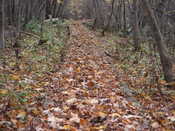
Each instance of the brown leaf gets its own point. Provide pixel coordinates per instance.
(3, 92)
(155, 125)
(83, 122)
(15, 77)
(90, 84)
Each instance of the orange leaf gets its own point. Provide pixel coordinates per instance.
(83, 122)
(15, 77)
(90, 84)
(78, 69)
(162, 82)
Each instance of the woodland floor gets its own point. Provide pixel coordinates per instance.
(86, 95)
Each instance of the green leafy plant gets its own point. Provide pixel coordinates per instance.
(20, 97)
(34, 26)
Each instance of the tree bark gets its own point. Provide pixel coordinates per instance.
(136, 35)
(2, 42)
(168, 63)
(110, 18)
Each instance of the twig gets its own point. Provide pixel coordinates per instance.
(31, 34)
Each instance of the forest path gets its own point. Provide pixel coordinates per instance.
(85, 94)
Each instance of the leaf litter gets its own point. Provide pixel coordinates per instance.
(84, 95)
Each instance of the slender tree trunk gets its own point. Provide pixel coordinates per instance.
(167, 62)
(2, 19)
(136, 34)
(110, 18)
(124, 17)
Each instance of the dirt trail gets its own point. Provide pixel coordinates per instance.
(85, 95)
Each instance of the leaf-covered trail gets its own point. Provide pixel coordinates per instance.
(85, 95)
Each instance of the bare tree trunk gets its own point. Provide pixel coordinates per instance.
(124, 17)
(167, 61)
(136, 34)
(2, 19)
(110, 18)
(99, 19)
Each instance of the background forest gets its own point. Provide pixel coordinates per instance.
(37, 38)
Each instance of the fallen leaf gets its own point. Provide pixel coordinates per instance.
(99, 127)
(171, 118)
(91, 84)
(75, 118)
(54, 121)
(70, 128)
(83, 122)
(71, 101)
(92, 101)
(3, 92)
(15, 77)
(115, 115)
(78, 69)
(36, 111)
(155, 125)
(21, 115)
(101, 114)
(162, 82)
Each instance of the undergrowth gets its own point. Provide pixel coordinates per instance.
(21, 78)
(142, 68)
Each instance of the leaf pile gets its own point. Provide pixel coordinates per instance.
(85, 93)
(22, 80)
(141, 80)
(88, 93)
